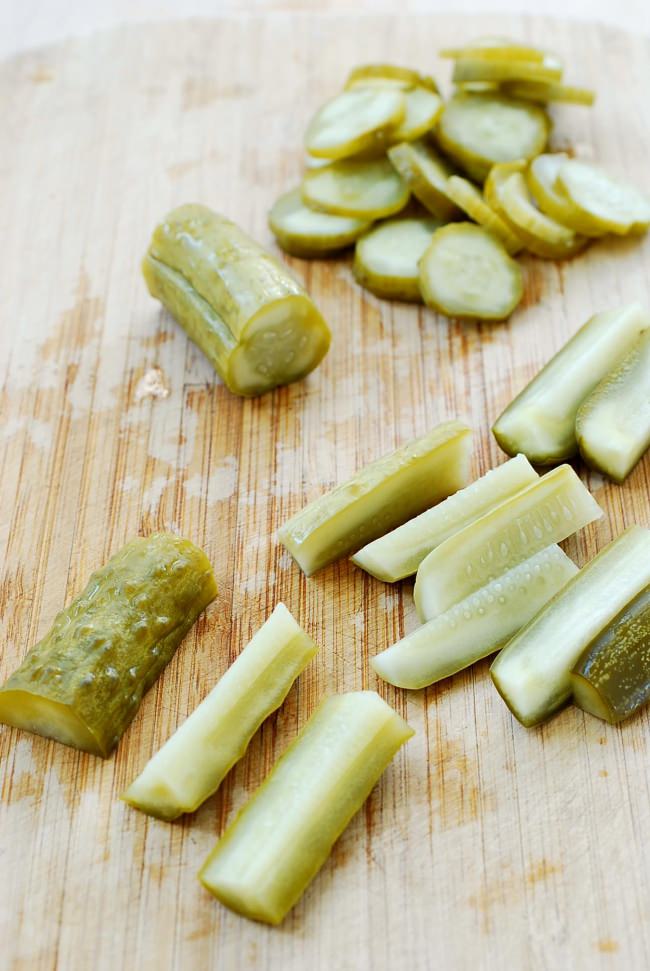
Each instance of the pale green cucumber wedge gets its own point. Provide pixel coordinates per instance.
(533, 672)
(192, 764)
(383, 495)
(303, 232)
(613, 423)
(477, 626)
(611, 678)
(399, 553)
(386, 258)
(256, 325)
(82, 684)
(540, 421)
(284, 834)
(543, 513)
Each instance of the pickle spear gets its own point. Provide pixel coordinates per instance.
(533, 672)
(383, 495)
(302, 231)
(284, 834)
(399, 553)
(613, 423)
(192, 764)
(82, 684)
(386, 258)
(256, 325)
(545, 512)
(611, 678)
(477, 626)
(540, 422)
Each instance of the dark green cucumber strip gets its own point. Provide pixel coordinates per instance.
(82, 684)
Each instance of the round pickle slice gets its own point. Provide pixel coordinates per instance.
(491, 69)
(386, 259)
(499, 48)
(479, 130)
(302, 231)
(426, 174)
(541, 177)
(469, 198)
(388, 75)
(466, 272)
(542, 235)
(354, 121)
(422, 110)
(545, 91)
(367, 189)
(613, 206)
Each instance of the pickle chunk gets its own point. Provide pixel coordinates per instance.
(83, 683)
(256, 325)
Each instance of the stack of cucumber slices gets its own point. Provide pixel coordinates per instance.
(437, 197)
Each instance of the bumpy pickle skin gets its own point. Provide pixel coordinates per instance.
(82, 684)
(284, 834)
(256, 325)
(611, 679)
(381, 496)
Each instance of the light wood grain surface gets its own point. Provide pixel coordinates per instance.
(484, 845)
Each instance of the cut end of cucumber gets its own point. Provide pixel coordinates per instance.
(237, 896)
(159, 801)
(27, 711)
(588, 699)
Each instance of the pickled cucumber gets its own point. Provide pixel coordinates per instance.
(256, 325)
(541, 176)
(611, 678)
(354, 121)
(192, 764)
(422, 109)
(540, 422)
(465, 194)
(302, 231)
(387, 75)
(543, 513)
(477, 626)
(82, 684)
(399, 553)
(283, 835)
(386, 259)
(545, 91)
(466, 272)
(611, 205)
(499, 48)
(613, 423)
(383, 495)
(541, 234)
(533, 672)
(426, 173)
(480, 68)
(365, 189)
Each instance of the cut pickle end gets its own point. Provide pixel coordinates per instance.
(499, 48)
(543, 513)
(354, 121)
(543, 92)
(367, 189)
(192, 764)
(386, 259)
(381, 496)
(479, 68)
(533, 672)
(540, 421)
(302, 231)
(542, 235)
(426, 174)
(477, 626)
(422, 110)
(480, 130)
(388, 75)
(399, 553)
(611, 678)
(613, 206)
(613, 423)
(541, 177)
(465, 194)
(283, 835)
(466, 272)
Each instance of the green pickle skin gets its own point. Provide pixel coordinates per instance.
(253, 321)
(82, 684)
(613, 673)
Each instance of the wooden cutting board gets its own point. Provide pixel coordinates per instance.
(484, 845)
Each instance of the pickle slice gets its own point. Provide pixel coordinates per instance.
(466, 272)
(388, 75)
(479, 130)
(499, 48)
(366, 189)
(82, 684)
(192, 764)
(612, 206)
(283, 835)
(533, 672)
(541, 176)
(386, 259)
(423, 107)
(545, 91)
(256, 325)
(543, 513)
(492, 69)
(477, 626)
(399, 553)
(611, 678)
(302, 231)
(465, 194)
(383, 495)
(426, 174)
(354, 121)
(541, 234)
(613, 423)
(540, 421)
